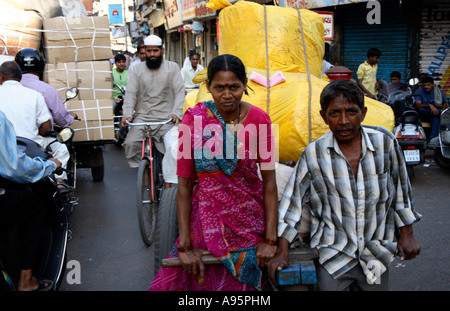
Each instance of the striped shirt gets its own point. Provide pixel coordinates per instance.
(353, 220)
(14, 164)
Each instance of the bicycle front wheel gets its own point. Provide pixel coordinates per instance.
(146, 207)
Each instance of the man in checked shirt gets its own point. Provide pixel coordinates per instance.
(359, 194)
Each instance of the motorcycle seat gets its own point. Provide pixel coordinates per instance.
(411, 117)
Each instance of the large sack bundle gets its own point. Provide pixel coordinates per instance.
(242, 32)
(288, 110)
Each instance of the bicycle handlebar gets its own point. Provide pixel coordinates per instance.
(149, 123)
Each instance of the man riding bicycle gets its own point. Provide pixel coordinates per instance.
(155, 93)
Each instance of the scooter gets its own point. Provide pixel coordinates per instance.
(120, 133)
(52, 255)
(408, 129)
(67, 134)
(441, 143)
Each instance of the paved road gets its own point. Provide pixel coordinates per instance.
(105, 234)
(107, 244)
(429, 271)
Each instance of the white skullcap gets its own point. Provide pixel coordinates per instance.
(153, 40)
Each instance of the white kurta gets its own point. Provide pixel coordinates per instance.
(152, 95)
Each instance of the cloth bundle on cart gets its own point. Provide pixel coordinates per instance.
(293, 102)
(245, 29)
(288, 110)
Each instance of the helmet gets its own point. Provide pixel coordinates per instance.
(30, 60)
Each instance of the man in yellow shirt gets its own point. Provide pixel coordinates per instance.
(367, 73)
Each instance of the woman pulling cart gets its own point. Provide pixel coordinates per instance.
(223, 207)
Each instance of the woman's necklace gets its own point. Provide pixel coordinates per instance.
(237, 118)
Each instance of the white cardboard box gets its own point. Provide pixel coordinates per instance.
(96, 119)
(77, 39)
(93, 79)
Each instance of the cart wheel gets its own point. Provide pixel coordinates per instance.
(146, 209)
(440, 160)
(98, 172)
(166, 225)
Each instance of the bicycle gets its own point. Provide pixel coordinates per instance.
(150, 183)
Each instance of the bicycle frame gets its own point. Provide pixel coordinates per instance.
(148, 187)
(147, 148)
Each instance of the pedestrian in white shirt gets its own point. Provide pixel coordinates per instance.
(189, 72)
(140, 57)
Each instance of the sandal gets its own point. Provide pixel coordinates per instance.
(64, 188)
(44, 286)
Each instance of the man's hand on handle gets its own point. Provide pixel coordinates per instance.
(123, 123)
(175, 119)
(280, 261)
(56, 161)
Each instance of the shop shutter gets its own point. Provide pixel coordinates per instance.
(391, 36)
(434, 57)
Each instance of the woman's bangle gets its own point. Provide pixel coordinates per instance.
(184, 249)
(270, 242)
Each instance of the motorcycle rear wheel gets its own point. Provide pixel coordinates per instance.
(410, 170)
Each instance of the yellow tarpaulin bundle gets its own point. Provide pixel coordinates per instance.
(242, 32)
(288, 110)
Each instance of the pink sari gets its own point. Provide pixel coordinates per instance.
(227, 215)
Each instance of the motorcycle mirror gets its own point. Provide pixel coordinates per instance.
(71, 93)
(413, 81)
(65, 135)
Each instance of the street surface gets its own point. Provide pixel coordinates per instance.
(111, 256)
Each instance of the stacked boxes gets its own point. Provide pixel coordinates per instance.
(93, 78)
(78, 50)
(77, 39)
(18, 29)
(96, 116)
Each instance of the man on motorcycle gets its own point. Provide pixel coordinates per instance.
(430, 101)
(32, 64)
(28, 112)
(19, 205)
(155, 92)
(120, 77)
(397, 84)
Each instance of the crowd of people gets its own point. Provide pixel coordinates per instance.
(352, 180)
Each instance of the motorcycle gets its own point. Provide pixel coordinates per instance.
(52, 257)
(68, 134)
(441, 143)
(408, 129)
(120, 133)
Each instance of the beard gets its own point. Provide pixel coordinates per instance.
(153, 64)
